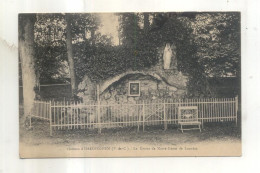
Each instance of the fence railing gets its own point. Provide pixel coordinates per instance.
(41, 109)
(76, 115)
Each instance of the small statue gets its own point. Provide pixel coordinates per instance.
(169, 57)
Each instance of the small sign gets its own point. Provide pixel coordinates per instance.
(134, 89)
(188, 113)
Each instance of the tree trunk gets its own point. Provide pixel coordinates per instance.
(26, 52)
(93, 37)
(37, 85)
(70, 54)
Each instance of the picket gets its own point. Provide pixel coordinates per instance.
(77, 115)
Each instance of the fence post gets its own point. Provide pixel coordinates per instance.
(165, 117)
(50, 118)
(139, 118)
(202, 113)
(98, 109)
(143, 116)
(236, 108)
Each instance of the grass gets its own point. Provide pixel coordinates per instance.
(216, 139)
(154, 135)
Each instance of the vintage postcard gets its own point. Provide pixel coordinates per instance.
(129, 84)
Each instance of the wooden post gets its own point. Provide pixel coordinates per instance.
(44, 110)
(58, 109)
(41, 109)
(54, 114)
(236, 108)
(165, 116)
(143, 116)
(98, 109)
(139, 119)
(77, 111)
(50, 117)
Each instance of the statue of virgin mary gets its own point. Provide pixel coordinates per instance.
(167, 56)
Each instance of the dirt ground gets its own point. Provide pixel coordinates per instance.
(38, 138)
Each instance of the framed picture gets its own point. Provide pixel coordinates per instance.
(134, 89)
(188, 113)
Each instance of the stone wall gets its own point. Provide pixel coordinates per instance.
(87, 90)
(150, 88)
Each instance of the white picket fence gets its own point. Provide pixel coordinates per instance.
(76, 115)
(41, 109)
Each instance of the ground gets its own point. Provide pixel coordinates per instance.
(212, 134)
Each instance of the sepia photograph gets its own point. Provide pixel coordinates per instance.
(137, 84)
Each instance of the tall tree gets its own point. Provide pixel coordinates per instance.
(217, 36)
(26, 52)
(51, 46)
(70, 53)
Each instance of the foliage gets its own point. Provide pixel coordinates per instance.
(164, 29)
(144, 44)
(50, 29)
(217, 36)
(207, 45)
(99, 61)
(50, 38)
(50, 62)
(82, 24)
